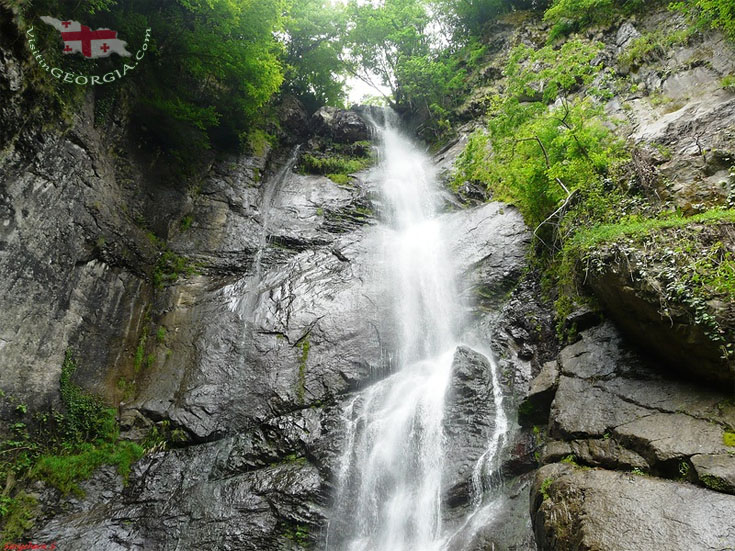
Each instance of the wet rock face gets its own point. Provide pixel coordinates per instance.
(469, 420)
(254, 491)
(72, 263)
(340, 125)
(613, 410)
(633, 288)
(284, 319)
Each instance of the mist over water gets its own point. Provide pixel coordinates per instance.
(389, 480)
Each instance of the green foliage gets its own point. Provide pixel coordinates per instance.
(689, 268)
(17, 515)
(258, 142)
(60, 449)
(298, 533)
(470, 17)
(573, 15)
(728, 438)
(715, 14)
(86, 418)
(546, 73)
(638, 226)
(728, 83)
(186, 222)
(139, 358)
(570, 459)
(64, 471)
(161, 436)
(534, 156)
(170, 267)
(314, 65)
(341, 179)
(383, 36)
(335, 166)
(209, 69)
(545, 485)
(225, 68)
(653, 44)
(432, 85)
(716, 483)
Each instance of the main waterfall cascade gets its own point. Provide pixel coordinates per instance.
(389, 479)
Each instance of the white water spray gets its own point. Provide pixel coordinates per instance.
(389, 480)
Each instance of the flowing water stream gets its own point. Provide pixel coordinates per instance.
(389, 481)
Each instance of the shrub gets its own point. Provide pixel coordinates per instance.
(574, 15)
(535, 156)
(86, 418)
(61, 449)
(64, 471)
(715, 14)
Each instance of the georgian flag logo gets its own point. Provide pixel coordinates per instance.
(91, 44)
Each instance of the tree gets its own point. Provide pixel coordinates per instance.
(383, 37)
(314, 32)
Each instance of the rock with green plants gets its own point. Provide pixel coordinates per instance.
(195, 291)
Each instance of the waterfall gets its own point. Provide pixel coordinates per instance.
(243, 296)
(389, 479)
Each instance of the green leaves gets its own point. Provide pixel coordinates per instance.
(546, 73)
(382, 37)
(716, 14)
(533, 155)
(574, 15)
(315, 31)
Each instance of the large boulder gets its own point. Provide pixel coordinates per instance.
(649, 288)
(578, 509)
(340, 125)
(469, 421)
(614, 410)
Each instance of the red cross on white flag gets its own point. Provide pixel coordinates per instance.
(91, 44)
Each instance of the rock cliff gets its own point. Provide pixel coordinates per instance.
(238, 316)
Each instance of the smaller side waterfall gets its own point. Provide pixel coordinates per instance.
(269, 193)
(390, 476)
(245, 294)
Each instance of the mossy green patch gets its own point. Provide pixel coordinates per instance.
(715, 483)
(170, 267)
(64, 471)
(728, 438)
(17, 516)
(299, 534)
(332, 164)
(545, 485)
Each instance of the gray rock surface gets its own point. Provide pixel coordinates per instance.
(615, 410)
(717, 472)
(598, 509)
(534, 409)
(468, 422)
(284, 317)
(342, 126)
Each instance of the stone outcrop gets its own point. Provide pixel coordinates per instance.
(573, 509)
(340, 125)
(665, 438)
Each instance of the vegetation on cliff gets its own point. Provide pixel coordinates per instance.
(60, 448)
(549, 147)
